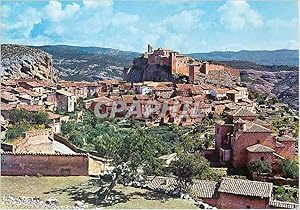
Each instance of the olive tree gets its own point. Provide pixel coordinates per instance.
(186, 167)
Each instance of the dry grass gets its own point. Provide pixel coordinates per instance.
(70, 189)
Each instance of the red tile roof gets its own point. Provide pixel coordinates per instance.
(22, 90)
(242, 112)
(257, 148)
(8, 96)
(34, 84)
(7, 107)
(246, 187)
(31, 108)
(142, 97)
(52, 116)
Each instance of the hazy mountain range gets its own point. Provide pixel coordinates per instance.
(264, 57)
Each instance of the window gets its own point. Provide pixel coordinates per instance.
(218, 130)
(257, 142)
(262, 158)
(248, 207)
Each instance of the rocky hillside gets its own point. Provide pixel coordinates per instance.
(20, 61)
(141, 71)
(281, 81)
(264, 57)
(89, 63)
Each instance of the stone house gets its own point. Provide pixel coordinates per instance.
(184, 90)
(9, 83)
(65, 101)
(27, 96)
(144, 90)
(8, 98)
(218, 93)
(163, 91)
(244, 194)
(228, 194)
(34, 86)
(240, 140)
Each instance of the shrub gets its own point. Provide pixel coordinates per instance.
(187, 167)
(16, 131)
(290, 169)
(260, 167)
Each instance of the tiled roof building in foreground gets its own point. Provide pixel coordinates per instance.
(229, 193)
(241, 140)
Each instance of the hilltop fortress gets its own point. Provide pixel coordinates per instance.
(163, 64)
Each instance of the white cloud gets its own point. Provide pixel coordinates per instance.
(94, 4)
(25, 22)
(55, 11)
(280, 24)
(236, 14)
(121, 18)
(173, 31)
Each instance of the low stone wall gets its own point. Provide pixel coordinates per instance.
(20, 164)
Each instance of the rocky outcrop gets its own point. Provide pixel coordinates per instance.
(22, 62)
(142, 71)
(283, 84)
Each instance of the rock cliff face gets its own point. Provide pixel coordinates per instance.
(142, 71)
(22, 62)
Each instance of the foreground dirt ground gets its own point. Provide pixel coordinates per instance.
(68, 190)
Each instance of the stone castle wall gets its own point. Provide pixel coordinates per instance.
(215, 67)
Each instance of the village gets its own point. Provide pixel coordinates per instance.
(241, 133)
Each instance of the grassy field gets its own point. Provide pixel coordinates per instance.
(70, 189)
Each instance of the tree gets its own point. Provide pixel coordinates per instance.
(208, 141)
(105, 145)
(68, 127)
(40, 118)
(290, 168)
(134, 150)
(16, 130)
(77, 138)
(259, 167)
(18, 115)
(21, 115)
(186, 167)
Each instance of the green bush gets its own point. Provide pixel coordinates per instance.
(18, 116)
(16, 131)
(259, 166)
(290, 169)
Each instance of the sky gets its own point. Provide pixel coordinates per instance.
(184, 25)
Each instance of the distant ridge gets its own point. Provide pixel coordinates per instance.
(264, 57)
